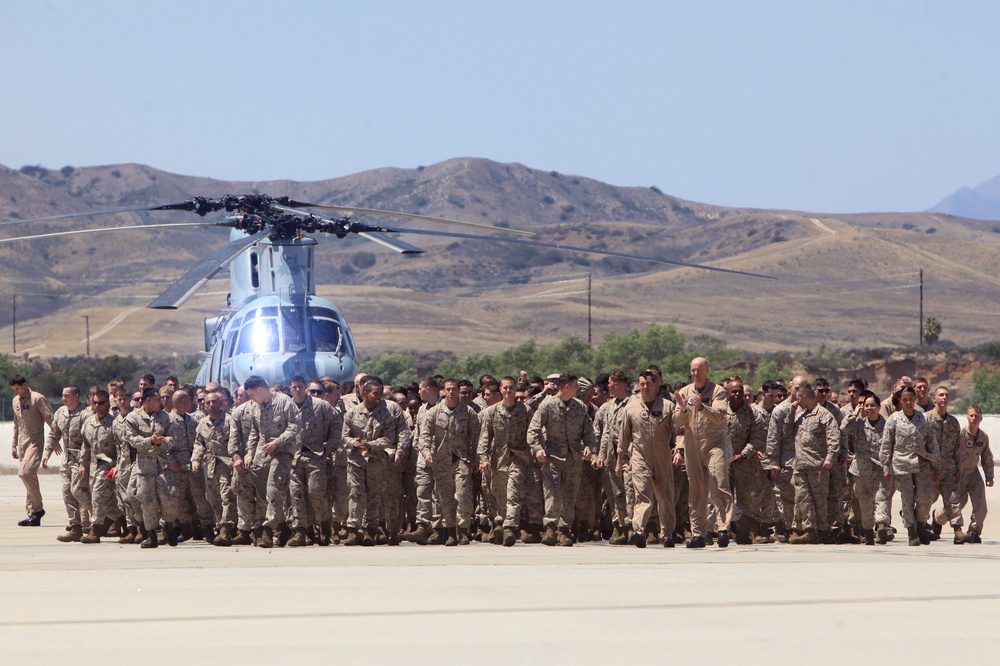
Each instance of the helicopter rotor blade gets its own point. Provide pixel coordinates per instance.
(560, 246)
(392, 243)
(182, 289)
(102, 229)
(410, 216)
(183, 205)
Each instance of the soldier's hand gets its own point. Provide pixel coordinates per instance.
(174, 467)
(735, 459)
(429, 459)
(156, 438)
(827, 464)
(586, 453)
(13, 451)
(678, 459)
(618, 470)
(484, 468)
(886, 475)
(83, 472)
(45, 462)
(597, 463)
(238, 463)
(248, 460)
(540, 457)
(989, 483)
(775, 470)
(195, 467)
(269, 447)
(57, 450)
(114, 472)
(397, 460)
(680, 400)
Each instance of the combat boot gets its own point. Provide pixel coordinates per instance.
(208, 532)
(826, 537)
(780, 533)
(869, 535)
(94, 535)
(498, 535)
(171, 533)
(617, 537)
(638, 539)
(450, 539)
(564, 538)
(923, 534)
(911, 533)
(723, 538)
(534, 534)
(299, 538)
(257, 534)
(354, 538)
(935, 528)
(807, 537)
(225, 537)
(196, 531)
(130, 536)
(140, 533)
(74, 533)
(437, 537)
(381, 536)
(550, 536)
(118, 528)
(150, 541)
(463, 537)
(266, 538)
(242, 538)
(959, 536)
(368, 536)
(584, 533)
(652, 535)
(284, 534)
(972, 536)
(393, 539)
(742, 530)
(695, 542)
(185, 532)
(509, 537)
(883, 533)
(325, 533)
(420, 534)
(761, 534)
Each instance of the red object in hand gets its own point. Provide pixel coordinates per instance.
(111, 473)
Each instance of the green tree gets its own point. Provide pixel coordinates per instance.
(932, 330)
(985, 391)
(393, 369)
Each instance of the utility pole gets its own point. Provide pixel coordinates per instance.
(13, 327)
(921, 322)
(589, 318)
(86, 318)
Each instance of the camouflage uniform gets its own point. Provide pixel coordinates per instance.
(321, 429)
(156, 485)
(863, 440)
(780, 452)
(974, 450)
(707, 451)
(392, 493)
(66, 431)
(607, 427)
(817, 440)
(449, 436)
(276, 422)
(126, 480)
(947, 429)
(646, 436)
(839, 492)
(100, 454)
(748, 436)
(211, 453)
(562, 429)
(910, 451)
(31, 414)
(384, 429)
(337, 491)
(190, 484)
(242, 443)
(503, 440)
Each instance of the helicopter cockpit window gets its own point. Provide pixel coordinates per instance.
(326, 336)
(293, 329)
(259, 334)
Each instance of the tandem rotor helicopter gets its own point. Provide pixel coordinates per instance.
(275, 325)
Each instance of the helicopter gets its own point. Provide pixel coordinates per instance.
(275, 326)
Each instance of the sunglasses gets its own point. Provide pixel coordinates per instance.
(315, 391)
(100, 402)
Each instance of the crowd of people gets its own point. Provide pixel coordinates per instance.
(554, 461)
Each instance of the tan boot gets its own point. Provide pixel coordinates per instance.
(94, 535)
(299, 538)
(564, 538)
(75, 533)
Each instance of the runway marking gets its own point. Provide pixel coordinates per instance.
(424, 613)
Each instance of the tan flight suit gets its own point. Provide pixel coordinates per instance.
(863, 440)
(211, 453)
(562, 429)
(974, 450)
(503, 440)
(646, 435)
(817, 440)
(707, 450)
(277, 422)
(947, 428)
(31, 415)
(910, 451)
(66, 430)
(99, 455)
(448, 436)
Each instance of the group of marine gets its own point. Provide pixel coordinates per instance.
(555, 461)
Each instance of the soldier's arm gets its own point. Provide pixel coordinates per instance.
(933, 448)
(832, 439)
(287, 441)
(473, 438)
(535, 439)
(716, 412)
(986, 458)
(86, 446)
(350, 441)
(888, 444)
(624, 435)
(589, 440)
(16, 434)
(198, 450)
(55, 436)
(484, 450)
(236, 447)
(682, 414)
(46, 411)
(403, 440)
(335, 431)
(758, 435)
(772, 446)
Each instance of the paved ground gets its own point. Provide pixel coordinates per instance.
(72, 603)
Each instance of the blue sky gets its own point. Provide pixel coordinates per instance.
(826, 107)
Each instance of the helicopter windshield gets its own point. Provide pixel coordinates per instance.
(259, 334)
(293, 330)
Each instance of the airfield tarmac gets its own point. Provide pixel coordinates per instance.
(593, 603)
